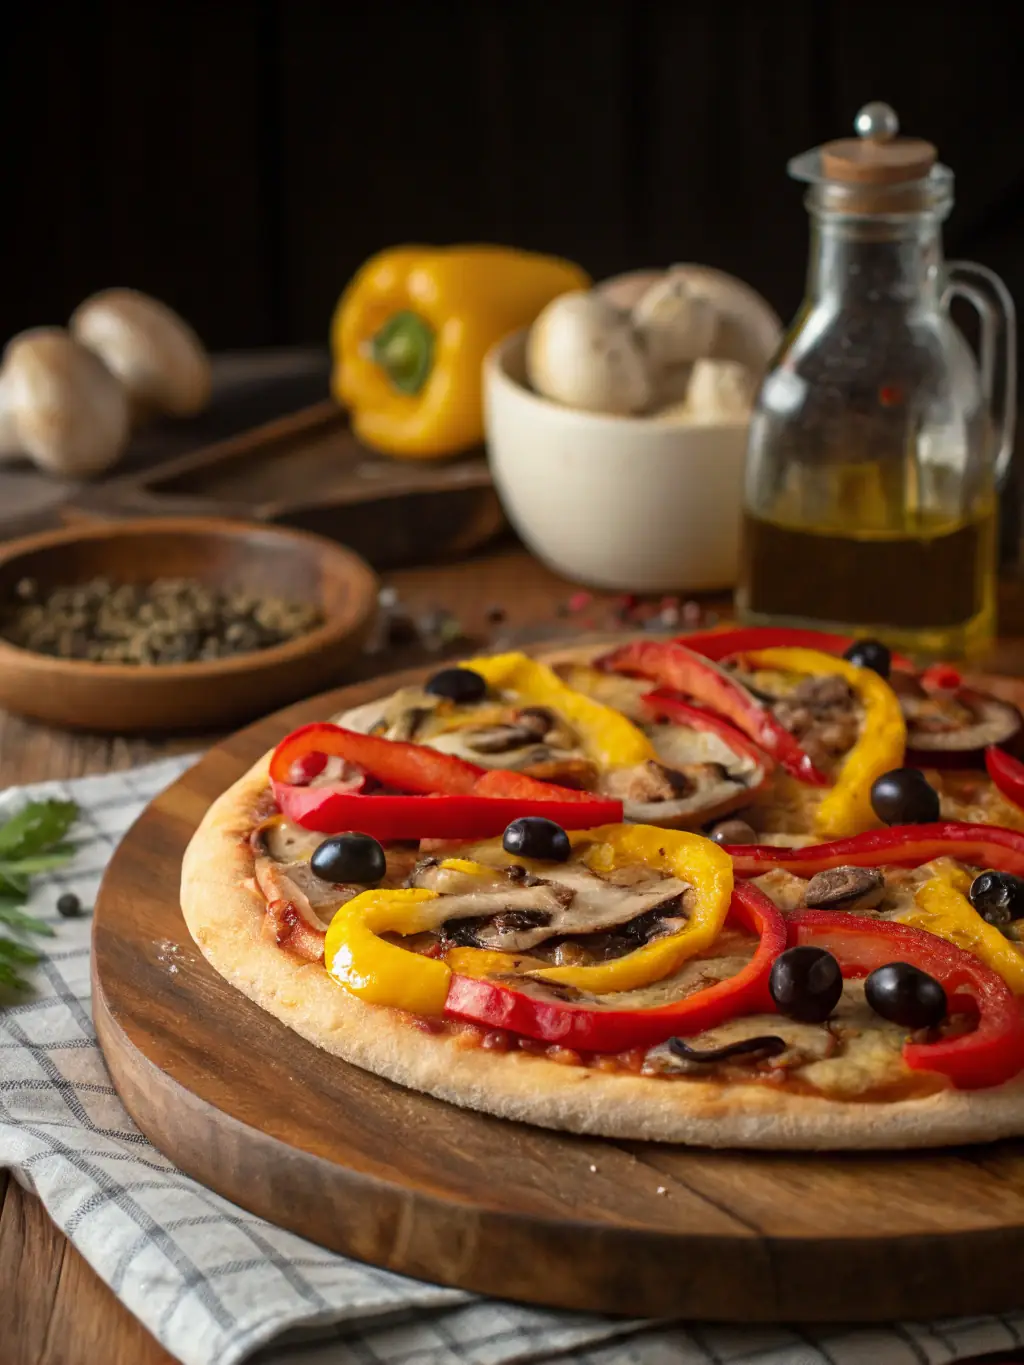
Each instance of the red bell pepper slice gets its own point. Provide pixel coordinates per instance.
(498, 1005)
(506, 783)
(394, 763)
(993, 1052)
(449, 799)
(898, 846)
(727, 641)
(390, 818)
(665, 705)
(673, 666)
(1007, 773)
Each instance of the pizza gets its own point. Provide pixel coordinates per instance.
(747, 888)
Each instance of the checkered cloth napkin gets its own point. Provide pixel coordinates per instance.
(216, 1285)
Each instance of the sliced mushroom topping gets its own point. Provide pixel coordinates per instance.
(388, 715)
(500, 739)
(709, 791)
(649, 782)
(573, 901)
(742, 1042)
(843, 888)
(314, 900)
(409, 723)
(747, 1050)
(506, 918)
(285, 842)
(959, 722)
(823, 714)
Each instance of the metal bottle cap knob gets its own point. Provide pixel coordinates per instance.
(877, 155)
(877, 122)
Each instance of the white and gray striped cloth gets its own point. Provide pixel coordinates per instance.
(216, 1285)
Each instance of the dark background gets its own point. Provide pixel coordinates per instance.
(240, 160)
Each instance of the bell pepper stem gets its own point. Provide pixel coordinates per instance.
(404, 349)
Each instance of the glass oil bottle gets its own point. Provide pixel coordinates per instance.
(879, 441)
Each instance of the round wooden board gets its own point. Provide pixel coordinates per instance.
(448, 1195)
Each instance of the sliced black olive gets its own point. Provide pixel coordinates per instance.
(749, 1048)
(904, 796)
(460, 685)
(806, 984)
(733, 832)
(998, 897)
(905, 995)
(870, 654)
(532, 836)
(355, 858)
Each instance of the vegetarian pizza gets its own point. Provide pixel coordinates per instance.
(748, 888)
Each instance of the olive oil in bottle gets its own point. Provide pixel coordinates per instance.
(928, 591)
(878, 443)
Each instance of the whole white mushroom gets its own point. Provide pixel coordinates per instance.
(60, 405)
(155, 353)
(583, 351)
(720, 390)
(677, 324)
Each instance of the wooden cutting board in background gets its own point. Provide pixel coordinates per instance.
(273, 447)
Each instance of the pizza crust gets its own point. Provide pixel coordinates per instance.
(224, 913)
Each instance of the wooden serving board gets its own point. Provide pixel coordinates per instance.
(307, 470)
(423, 1188)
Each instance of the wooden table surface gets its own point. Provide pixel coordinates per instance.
(53, 1309)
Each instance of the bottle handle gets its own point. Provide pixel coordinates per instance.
(993, 302)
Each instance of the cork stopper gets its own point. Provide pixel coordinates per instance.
(877, 155)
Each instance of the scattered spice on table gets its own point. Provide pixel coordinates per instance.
(168, 621)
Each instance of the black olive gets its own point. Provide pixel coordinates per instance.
(350, 858)
(904, 796)
(69, 905)
(905, 995)
(534, 837)
(806, 984)
(870, 654)
(998, 897)
(460, 685)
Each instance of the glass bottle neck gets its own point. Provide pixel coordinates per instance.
(875, 261)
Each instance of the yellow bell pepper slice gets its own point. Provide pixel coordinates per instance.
(410, 333)
(608, 737)
(941, 908)
(379, 972)
(846, 809)
(690, 857)
(382, 973)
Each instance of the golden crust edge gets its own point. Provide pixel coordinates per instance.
(224, 915)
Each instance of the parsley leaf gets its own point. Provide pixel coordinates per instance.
(35, 829)
(31, 841)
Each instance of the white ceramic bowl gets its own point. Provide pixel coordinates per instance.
(628, 503)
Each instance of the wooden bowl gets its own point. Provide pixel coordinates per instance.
(225, 554)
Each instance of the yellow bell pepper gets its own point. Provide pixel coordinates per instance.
(382, 973)
(608, 737)
(880, 748)
(941, 908)
(410, 333)
(379, 972)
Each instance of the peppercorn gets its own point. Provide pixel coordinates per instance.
(69, 905)
(168, 621)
